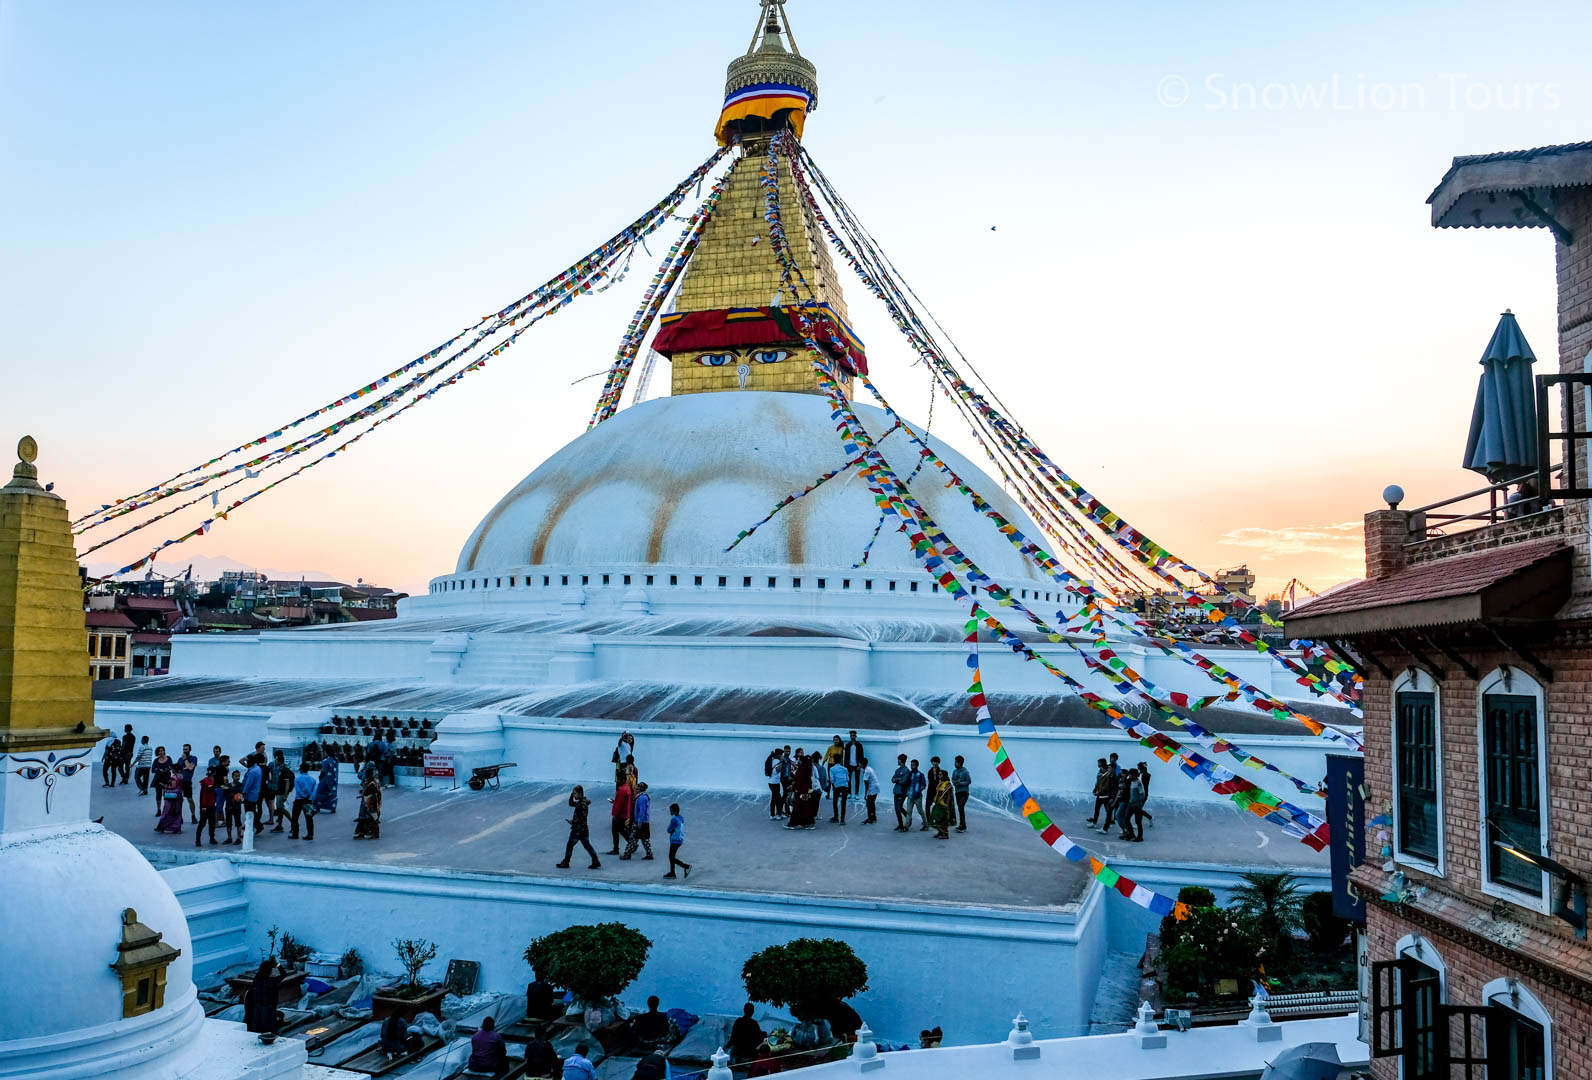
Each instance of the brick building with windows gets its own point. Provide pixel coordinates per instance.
(110, 635)
(1474, 634)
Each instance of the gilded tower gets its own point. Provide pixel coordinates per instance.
(45, 702)
(732, 327)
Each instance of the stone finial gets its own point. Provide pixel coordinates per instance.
(721, 1066)
(25, 474)
(1021, 1040)
(1146, 1030)
(1260, 1021)
(865, 1052)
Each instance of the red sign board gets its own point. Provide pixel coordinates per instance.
(439, 765)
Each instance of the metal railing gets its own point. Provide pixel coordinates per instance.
(1498, 507)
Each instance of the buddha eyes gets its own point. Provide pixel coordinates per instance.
(30, 772)
(71, 768)
(760, 356)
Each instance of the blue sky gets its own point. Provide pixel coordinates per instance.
(1213, 277)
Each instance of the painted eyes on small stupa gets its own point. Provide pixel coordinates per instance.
(30, 772)
(71, 768)
(716, 359)
(770, 356)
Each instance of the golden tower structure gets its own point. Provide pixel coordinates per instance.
(45, 698)
(732, 324)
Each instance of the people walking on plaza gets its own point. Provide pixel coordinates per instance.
(187, 765)
(900, 787)
(870, 791)
(640, 825)
(234, 807)
(940, 812)
(1144, 783)
(839, 791)
(624, 749)
(962, 785)
(804, 796)
(161, 768)
(304, 802)
(854, 759)
(772, 765)
(253, 788)
(676, 840)
(787, 778)
(934, 776)
(280, 782)
(917, 786)
(835, 752)
(113, 749)
(141, 764)
(579, 828)
(215, 761)
(367, 826)
(622, 807)
(125, 760)
(1129, 799)
(389, 763)
(171, 813)
(326, 786)
(1104, 784)
(207, 808)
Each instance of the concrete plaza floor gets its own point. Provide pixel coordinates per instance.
(733, 845)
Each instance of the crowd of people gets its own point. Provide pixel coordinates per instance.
(1122, 793)
(630, 817)
(225, 793)
(799, 782)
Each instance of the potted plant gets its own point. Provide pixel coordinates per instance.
(594, 963)
(350, 963)
(294, 953)
(292, 986)
(811, 977)
(410, 997)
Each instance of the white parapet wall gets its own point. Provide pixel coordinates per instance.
(919, 956)
(1236, 1051)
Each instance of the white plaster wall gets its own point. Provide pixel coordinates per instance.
(919, 957)
(728, 757)
(235, 729)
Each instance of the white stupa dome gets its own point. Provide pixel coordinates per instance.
(669, 483)
(60, 924)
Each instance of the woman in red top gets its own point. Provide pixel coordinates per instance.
(624, 805)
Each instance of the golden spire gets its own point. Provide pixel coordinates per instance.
(45, 699)
(770, 88)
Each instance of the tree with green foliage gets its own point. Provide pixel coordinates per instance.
(593, 962)
(1195, 897)
(1211, 944)
(808, 976)
(1276, 904)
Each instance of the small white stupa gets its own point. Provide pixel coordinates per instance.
(94, 947)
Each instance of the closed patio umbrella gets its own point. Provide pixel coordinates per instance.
(1502, 444)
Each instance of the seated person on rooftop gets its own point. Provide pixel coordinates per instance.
(651, 1027)
(539, 1003)
(489, 1054)
(745, 1035)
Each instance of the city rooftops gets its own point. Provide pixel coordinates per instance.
(1511, 188)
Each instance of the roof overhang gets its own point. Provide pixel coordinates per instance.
(1533, 592)
(1519, 189)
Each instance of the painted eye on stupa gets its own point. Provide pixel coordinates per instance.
(30, 772)
(71, 768)
(722, 359)
(770, 356)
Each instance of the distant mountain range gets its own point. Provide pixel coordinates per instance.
(209, 568)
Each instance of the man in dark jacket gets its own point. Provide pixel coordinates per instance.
(745, 1034)
(1104, 782)
(900, 785)
(853, 758)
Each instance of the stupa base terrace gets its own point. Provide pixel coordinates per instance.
(474, 871)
